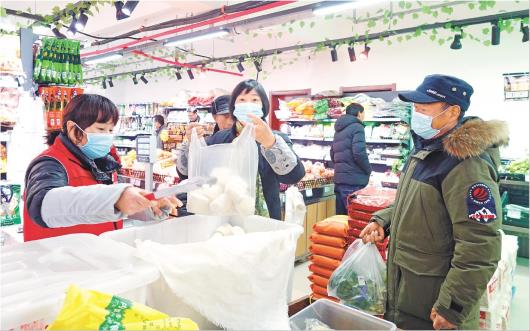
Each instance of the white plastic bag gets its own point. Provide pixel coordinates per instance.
(234, 165)
(360, 280)
(295, 208)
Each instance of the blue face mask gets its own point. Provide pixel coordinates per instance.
(98, 144)
(242, 110)
(421, 124)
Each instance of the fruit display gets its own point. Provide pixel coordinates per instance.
(518, 167)
(201, 101)
(58, 61)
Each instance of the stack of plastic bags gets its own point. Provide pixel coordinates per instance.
(361, 205)
(328, 245)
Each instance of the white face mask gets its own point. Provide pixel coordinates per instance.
(421, 124)
(243, 109)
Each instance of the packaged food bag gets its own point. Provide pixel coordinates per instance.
(234, 166)
(9, 204)
(91, 310)
(360, 280)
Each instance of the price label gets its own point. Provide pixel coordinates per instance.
(137, 183)
(309, 193)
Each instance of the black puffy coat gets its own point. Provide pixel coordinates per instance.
(348, 152)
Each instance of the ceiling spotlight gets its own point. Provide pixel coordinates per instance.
(524, 30)
(351, 53)
(143, 79)
(457, 44)
(365, 53)
(178, 74)
(257, 65)
(128, 8)
(135, 80)
(240, 64)
(72, 29)
(58, 33)
(495, 33)
(111, 84)
(190, 74)
(81, 21)
(104, 84)
(334, 56)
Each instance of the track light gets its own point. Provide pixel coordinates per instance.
(72, 29)
(103, 58)
(524, 30)
(143, 79)
(342, 5)
(104, 84)
(334, 56)
(81, 21)
(178, 74)
(351, 53)
(495, 33)
(457, 44)
(365, 53)
(135, 80)
(128, 8)
(240, 64)
(58, 33)
(190, 74)
(197, 36)
(257, 65)
(119, 13)
(111, 84)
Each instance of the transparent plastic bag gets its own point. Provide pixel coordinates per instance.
(360, 280)
(234, 165)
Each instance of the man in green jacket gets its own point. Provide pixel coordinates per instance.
(444, 240)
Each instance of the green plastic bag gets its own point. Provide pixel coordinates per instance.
(9, 204)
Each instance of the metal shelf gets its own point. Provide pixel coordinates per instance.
(311, 139)
(385, 119)
(383, 162)
(384, 141)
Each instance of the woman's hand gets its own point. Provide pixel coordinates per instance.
(264, 134)
(132, 201)
(170, 203)
(197, 126)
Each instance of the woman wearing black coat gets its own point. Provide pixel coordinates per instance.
(348, 153)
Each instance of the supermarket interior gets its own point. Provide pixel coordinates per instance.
(303, 165)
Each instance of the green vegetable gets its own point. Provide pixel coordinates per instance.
(321, 106)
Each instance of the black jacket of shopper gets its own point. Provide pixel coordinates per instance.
(348, 152)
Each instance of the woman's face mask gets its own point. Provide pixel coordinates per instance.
(248, 103)
(98, 144)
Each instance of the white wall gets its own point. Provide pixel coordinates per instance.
(402, 63)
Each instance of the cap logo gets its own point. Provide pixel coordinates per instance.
(436, 93)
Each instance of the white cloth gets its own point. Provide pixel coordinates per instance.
(236, 282)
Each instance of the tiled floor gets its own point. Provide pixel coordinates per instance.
(519, 311)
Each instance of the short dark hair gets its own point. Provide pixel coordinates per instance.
(354, 109)
(247, 86)
(85, 110)
(159, 119)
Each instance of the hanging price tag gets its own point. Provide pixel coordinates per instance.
(137, 183)
(309, 193)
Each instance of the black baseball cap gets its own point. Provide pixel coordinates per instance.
(221, 105)
(441, 88)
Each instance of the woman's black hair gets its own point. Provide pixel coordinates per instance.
(354, 109)
(85, 110)
(247, 86)
(159, 119)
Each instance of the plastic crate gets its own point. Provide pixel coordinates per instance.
(516, 216)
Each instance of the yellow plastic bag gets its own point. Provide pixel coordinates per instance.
(91, 310)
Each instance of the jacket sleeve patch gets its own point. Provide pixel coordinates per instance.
(480, 204)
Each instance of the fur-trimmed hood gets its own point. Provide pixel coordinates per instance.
(475, 136)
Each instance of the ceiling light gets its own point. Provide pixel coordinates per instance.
(198, 36)
(524, 30)
(72, 29)
(143, 79)
(81, 21)
(365, 53)
(257, 65)
(135, 80)
(58, 33)
(456, 44)
(111, 84)
(338, 6)
(178, 74)
(240, 66)
(351, 53)
(128, 8)
(495, 33)
(334, 57)
(104, 84)
(190, 74)
(104, 58)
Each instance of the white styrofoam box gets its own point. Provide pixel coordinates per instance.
(192, 229)
(35, 275)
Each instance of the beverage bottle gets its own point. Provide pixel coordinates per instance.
(37, 66)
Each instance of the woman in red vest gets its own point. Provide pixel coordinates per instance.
(70, 187)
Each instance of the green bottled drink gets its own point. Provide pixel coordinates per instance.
(71, 65)
(37, 66)
(45, 61)
(79, 68)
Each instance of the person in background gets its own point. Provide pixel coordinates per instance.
(444, 224)
(70, 187)
(193, 117)
(221, 113)
(278, 163)
(159, 126)
(3, 161)
(348, 153)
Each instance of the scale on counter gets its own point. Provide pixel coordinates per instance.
(146, 153)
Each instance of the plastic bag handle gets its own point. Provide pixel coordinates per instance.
(248, 134)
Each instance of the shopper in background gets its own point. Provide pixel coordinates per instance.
(444, 224)
(159, 126)
(278, 163)
(348, 153)
(221, 113)
(69, 187)
(193, 117)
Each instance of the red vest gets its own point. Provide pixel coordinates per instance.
(77, 176)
